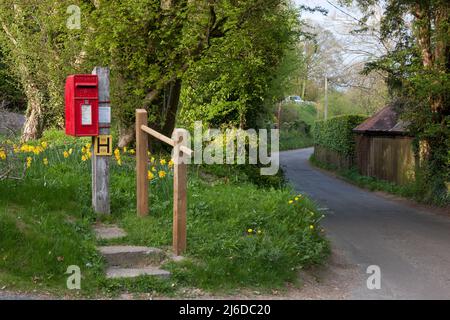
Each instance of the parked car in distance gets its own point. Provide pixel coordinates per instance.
(293, 99)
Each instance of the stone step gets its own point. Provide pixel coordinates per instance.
(108, 232)
(132, 256)
(118, 273)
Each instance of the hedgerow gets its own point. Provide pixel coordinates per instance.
(336, 133)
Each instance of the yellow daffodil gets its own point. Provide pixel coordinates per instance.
(170, 163)
(88, 146)
(83, 158)
(119, 162)
(29, 160)
(65, 154)
(132, 151)
(44, 144)
(148, 153)
(152, 159)
(45, 161)
(2, 155)
(117, 152)
(161, 174)
(162, 162)
(70, 151)
(150, 175)
(124, 149)
(153, 169)
(83, 150)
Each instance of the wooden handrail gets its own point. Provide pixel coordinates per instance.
(179, 176)
(166, 139)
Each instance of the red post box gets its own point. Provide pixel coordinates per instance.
(82, 105)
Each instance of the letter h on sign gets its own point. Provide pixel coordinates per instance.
(103, 145)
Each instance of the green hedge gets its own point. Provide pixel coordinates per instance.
(336, 133)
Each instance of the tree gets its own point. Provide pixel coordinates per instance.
(40, 51)
(150, 48)
(243, 74)
(418, 75)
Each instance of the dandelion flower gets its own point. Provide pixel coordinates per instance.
(161, 174)
(296, 198)
(290, 202)
(311, 227)
(250, 230)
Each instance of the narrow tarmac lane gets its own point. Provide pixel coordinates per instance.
(411, 246)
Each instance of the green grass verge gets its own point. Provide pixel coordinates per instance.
(370, 183)
(240, 234)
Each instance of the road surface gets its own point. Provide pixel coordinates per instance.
(410, 245)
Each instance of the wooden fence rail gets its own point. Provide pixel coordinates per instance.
(179, 176)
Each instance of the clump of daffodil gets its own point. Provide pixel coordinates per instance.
(117, 156)
(161, 174)
(29, 160)
(86, 153)
(2, 154)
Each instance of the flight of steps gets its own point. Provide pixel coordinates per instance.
(126, 261)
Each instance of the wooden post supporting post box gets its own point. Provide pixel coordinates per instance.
(141, 163)
(179, 193)
(100, 164)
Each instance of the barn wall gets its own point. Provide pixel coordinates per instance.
(389, 158)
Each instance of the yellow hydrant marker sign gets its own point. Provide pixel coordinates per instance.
(103, 145)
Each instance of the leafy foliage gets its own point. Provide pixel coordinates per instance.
(336, 133)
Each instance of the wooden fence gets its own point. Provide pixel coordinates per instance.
(389, 158)
(179, 176)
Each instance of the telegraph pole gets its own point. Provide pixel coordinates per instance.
(326, 97)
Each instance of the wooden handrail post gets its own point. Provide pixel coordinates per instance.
(179, 193)
(141, 163)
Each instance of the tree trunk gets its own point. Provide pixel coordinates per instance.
(172, 107)
(33, 125)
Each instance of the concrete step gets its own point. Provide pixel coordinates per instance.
(132, 256)
(108, 232)
(118, 273)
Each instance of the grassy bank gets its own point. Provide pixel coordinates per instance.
(241, 234)
(370, 183)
